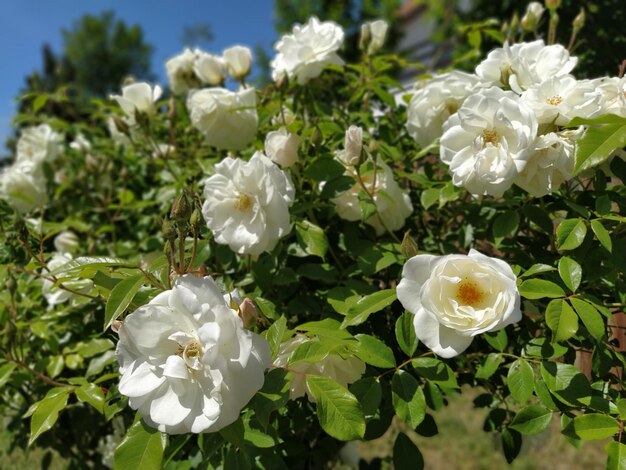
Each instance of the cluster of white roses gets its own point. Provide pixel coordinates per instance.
(503, 125)
(23, 184)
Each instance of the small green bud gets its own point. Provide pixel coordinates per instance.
(366, 37)
(121, 125)
(514, 23)
(181, 209)
(167, 248)
(553, 4)
(11, 285)
(21, 229)
(282, 82)
(373, 146)
(579, 21)
(196, 220)
(317, 138)
(168, 230)
(408, 247)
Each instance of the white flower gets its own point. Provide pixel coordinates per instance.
(186, 362)
(534, 12)
(81, 144)
(281, 147)
(558, 100)
(393, 205)
(487, 142)
(23, 186)
(613, 90)
(457, 297)
(344, 371)
(247, 204)
(38, 144)
(304, 53)
(238, 60)
(209, 68)
(53, 293)
(435, 102)
(551, 162)
(378, 34)
(138, 97)
(228, 119)
(523, 65)
(66, 242)
(284, 118)
(180, 72)
(352, 146)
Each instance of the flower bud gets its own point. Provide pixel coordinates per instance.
(373, 146)
(66, 242)
(282, 82)
(317, 138)
(121, 125)
(11, 284)
(353, 146)
(209, 68)
(248, 312)
(366, 37)
(514, 23)
(408, 246)
(181, 209)
(552, 4)
(579, 21)
(168, 230)
(378, 30)
(282, 147)
(533, 14)
(238, 60)
(196, 220)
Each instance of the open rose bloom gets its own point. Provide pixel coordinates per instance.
(457, 297)
(186, 361)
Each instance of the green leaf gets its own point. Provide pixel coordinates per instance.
(571, 273)
(47, 412)
(141, 449)
(602, 235)
(275, 333)
(598, 143)
(561, 319)
(489, 366)
(497, 340)
(591, 426)
(92, 394)
(406, 455)
(338, 410)
(521, 380)
(369, 393)
(537, 269)
(312, 351)
(367, 305)
(312, 238)
(121, 296)
(5, 372)
(39, 102)
(590, 317)
(373, 351)
(566, 383)
(408, 399)
(506, 224)
(531, 420)
(237, 459)
(616, 456)
(405, 333)
(539, 289)
(436, 371)
(511, 444)
(570, 234)
(89, 262)
(429, 197)
(621, 406)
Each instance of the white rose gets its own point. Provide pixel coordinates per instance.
(433, 103)
(55, 294)
(23, 186)
(304, 53)
(284, 118)
(138, 97)
(238, 60)
(282, 147)
(186, 362)
(66, 242)
(228, 119)
(247, 204)
(180, 72)
(38, 144)
(378, 34)
(457, 297)
(352, 146)
(558, 100)
(487, 142)
(551, 163)
(393, 205)
(523, 65)
(344, 371)
(209, 68)
(534, 12)
(613, 90)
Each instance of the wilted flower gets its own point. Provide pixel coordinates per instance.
(393, 205)
(209, 68)
(55, 294)
(247, 204)
(38, 144)
(342, 370)
(66, 242)
(186, 361)
(487, 142)
(433, 103)
(457, 297)
(281, 147)
(228, 119)
(180, 72)
(238, 60)
(304, 53)
(23, 186)
(138, 97)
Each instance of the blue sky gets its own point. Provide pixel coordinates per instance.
(25, 25)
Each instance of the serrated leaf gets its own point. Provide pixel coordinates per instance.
(561, 319)
(506, 224)
(616, 456)
(537, 269)
(571, 273)
(312, 238)
(539, 289)
(406, 455)
(602, 235)
(141, 449)
(521, 380)
(91, 394)
(408, 399)
(570, 234)
(369, 394)
(405, 333)
(120, 298)
(47, 412)
(566, 382)
(489, 366)
(373, 351)
(591, 426)
(598, 143)
(274, 335)
(590, 317)
(436, 371)
(338, 410)
(367, 305)
(531, 420)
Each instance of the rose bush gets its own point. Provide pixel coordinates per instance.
(175, 298)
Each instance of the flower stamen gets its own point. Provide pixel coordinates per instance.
(468, 293)
(490, 137)
(243, 203)
(554, 100)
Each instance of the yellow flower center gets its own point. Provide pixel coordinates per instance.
(468, 293)
(243, 203)
(555, 100)
(490, 137)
